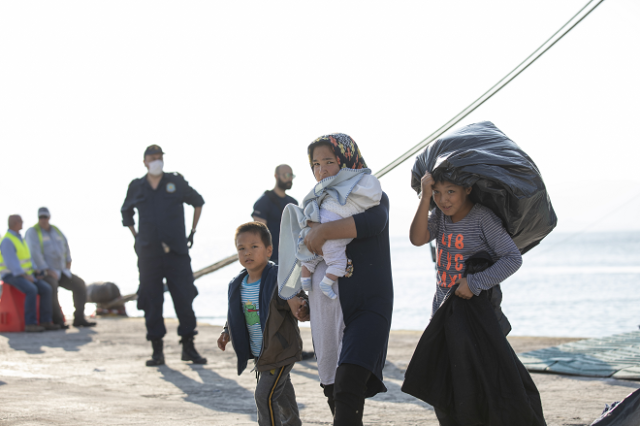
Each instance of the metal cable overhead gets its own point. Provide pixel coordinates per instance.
(557, 36)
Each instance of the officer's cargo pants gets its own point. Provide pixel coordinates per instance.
(176, 268)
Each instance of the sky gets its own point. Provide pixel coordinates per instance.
(229, 90)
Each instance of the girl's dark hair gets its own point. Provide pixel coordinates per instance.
(256, 228)
(438, 176)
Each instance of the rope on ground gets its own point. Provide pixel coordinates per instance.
(557, 36)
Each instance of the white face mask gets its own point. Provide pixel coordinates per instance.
(155, 167)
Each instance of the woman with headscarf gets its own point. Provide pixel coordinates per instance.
(350, 333)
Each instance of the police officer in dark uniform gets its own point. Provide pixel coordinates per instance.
(163, 251)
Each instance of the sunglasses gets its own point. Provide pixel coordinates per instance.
(43, 217)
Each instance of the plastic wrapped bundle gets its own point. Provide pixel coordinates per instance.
(504, 178)
(108, 300)
(625, 413)
(102, 292)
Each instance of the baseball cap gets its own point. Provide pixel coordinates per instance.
(43, 211)
(153, 149)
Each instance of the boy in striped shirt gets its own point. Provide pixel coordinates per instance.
(262, 326)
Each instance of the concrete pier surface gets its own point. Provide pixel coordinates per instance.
(97, 376)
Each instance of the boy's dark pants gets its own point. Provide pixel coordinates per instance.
(276, 398)
(346, 396)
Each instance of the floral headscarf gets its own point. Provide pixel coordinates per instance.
(344, 148)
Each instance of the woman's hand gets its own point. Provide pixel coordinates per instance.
(315, 238)
(299, 308)
(303, 312)
(426, 183)
(223, 340)
(463, 290)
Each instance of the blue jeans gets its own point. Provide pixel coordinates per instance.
(31, 290)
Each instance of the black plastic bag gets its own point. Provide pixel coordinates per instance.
(479, 262)
(102, 292)
(504, 178)
(466, 369)
(625, 413)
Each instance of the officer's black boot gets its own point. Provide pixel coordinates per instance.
(189, 352)
(158, 357)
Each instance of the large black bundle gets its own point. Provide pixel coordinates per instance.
(102, 292)
(625, 413)
(465, 367)
(504, 178)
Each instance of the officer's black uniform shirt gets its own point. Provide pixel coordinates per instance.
(160, 212)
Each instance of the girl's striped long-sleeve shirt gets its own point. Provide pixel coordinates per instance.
(480, 230)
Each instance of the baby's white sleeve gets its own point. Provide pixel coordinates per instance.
(367, 192)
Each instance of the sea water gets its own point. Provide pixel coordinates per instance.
(572, 285)
(585, 285)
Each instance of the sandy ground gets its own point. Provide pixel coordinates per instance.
(98, 377)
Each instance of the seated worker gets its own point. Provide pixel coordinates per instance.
(16, 270)
(273, 341)
(50, 253)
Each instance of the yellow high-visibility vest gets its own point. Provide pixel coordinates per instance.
(39, 231)
(22, 250)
